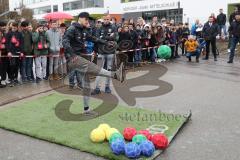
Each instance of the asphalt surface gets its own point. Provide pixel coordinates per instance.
(210, 90)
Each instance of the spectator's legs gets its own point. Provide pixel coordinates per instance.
(234, 42)
(44, 66)
(29, 66)
(214, 49)
(109, 63)
(38, 67)
(50, 67)
(23, 69)
(207, 49)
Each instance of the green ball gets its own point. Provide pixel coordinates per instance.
(139, 138)
(115, 136)
(164, 52)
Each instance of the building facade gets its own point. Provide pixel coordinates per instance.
(4, 7)
(179, 10)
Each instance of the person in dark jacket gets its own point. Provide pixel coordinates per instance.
(14, 47)
(234, 30)
(26, 62)
(185, 34)
(108, 33)
(221, 21)
(232, 19)
(74, 45)
(3, 52)
(210, 31)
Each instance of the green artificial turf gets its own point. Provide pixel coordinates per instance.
(37, 118)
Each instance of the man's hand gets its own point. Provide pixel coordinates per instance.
(9, 54)
(22, 55)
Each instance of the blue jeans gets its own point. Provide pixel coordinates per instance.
(72, 76)
(224, 28)
(234, 42)
(138, 56)
(153, 54)
(190, 54)
(26, 67)
(107, 63)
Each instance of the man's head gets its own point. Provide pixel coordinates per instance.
(197, 21)
(107, 19)
(24, 25)
(220, 10)
(125, 28)
(54, 25)
(3, 25)
(130, 26)
(83, 19)
(236, 9)
(155, 19)
(210, 19)
(14, 26)
(40, 28)
(237, 17)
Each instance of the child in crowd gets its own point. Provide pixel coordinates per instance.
(191, 46)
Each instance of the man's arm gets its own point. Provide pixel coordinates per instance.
(69, 34)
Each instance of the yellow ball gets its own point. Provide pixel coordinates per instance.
(97, 135)
(104, 127)
(110, 131)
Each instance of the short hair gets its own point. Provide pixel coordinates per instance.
(24, 24)
(63, 25)
(15, 24)
(2, 23)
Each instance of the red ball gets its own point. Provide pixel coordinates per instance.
(146, 133)
(129, 133)
(160, 141)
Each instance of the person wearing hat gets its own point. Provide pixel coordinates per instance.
(74, 46)
(234, 30)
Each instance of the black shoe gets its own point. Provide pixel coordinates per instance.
(11, 84)
(197, 60)
(189, 59)
(205, 58)
(38, 80)
(30, 79)
(16, 82)
(90, 113)
(215, 59)
(177, 56)
(96, 91)
(230, 62)
(45, 78)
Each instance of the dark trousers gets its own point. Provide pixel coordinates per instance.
(234, 42)
(213, 46)
(26, 68)
(13, 68)
(3, 68)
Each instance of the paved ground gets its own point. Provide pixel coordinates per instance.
(210, 89)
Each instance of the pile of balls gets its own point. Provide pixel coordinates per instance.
(139, 142)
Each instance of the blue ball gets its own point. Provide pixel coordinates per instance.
(132, 150)
(147, 148)
(118, 146)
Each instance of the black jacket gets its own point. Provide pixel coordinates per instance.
(232, 17)
(74, 40)
(105, 31)
(234, 29)
(14, 48)
(210, 33)
(221, 19)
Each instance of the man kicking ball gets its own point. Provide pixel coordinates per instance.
(74, 46)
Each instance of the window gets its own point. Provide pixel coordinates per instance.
(42, 10)
(125, 1)
(55, 8)
(82, 4)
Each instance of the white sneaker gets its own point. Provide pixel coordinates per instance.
(3, 83)
(229, 50)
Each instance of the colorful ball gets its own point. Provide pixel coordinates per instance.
(110, 131)
(164, 52)
(97, 135)
(139, 138)
(104, 127)
(147, 148)
(160, 141)
(118, 146)
(146, 133)
(132, 150)
(115, 136)
(128, 133)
